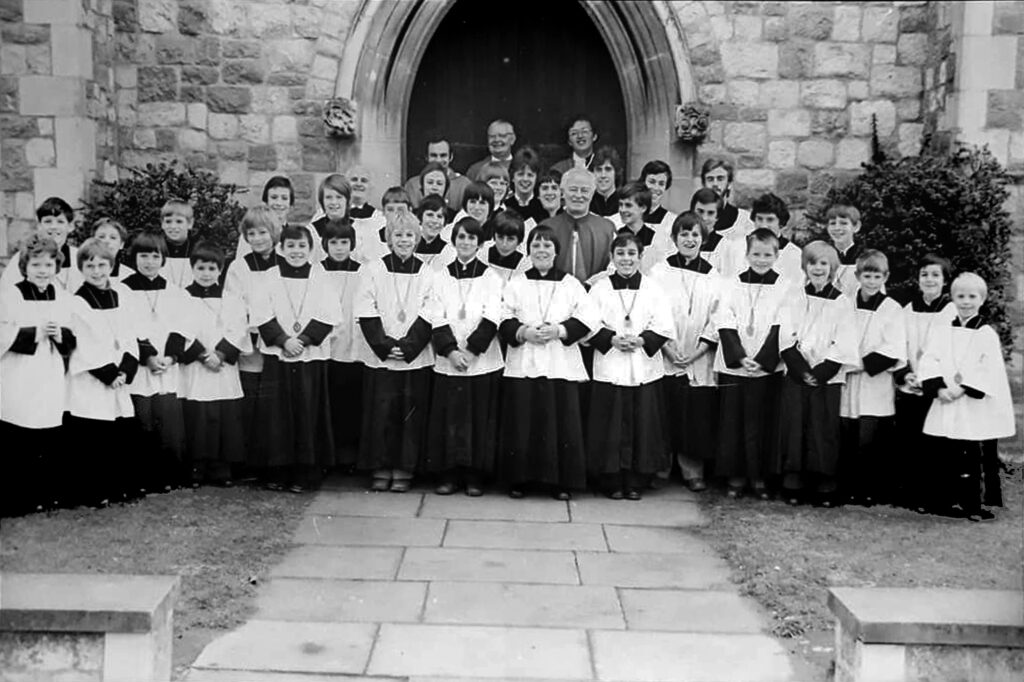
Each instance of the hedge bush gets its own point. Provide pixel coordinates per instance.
(951, 204)
(135, 202)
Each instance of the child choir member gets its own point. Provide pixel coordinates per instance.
(348, 348)
(161, 326)
(295, 312)
(503, 253)
(634, 200)
(210, 384)
(495, 176)
(434, 247)
(99, 405)
(545, 313)
(625, 444)
(817, 344)
(36, 335)
(477, 203)
(691, 287)
(607, 169)
(549, 192)
(962, 366)
(466, 310)
(392, 309)
(113, 235)
(54, 219)
(747, 363)
(657, 176)
(843, 225)
(176, 222)
(867, 399)
(770, 212)
(372, 234)
(725, 250)
(525, 169)
(333, 197)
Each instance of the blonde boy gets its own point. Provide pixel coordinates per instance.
(176, 221)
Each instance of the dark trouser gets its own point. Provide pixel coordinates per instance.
(748, 428)
(914, 458)
(864, 458)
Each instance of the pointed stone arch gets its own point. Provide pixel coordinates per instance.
(387, 40)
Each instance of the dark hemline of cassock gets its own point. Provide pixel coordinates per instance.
(255, 393)
(295, 417)
(864, 462)
(748, 426)
(345, 387)
(163, 437)
(112, 471)
(542, 433)
(214, 431)
(691, 419)
(914, 463)
(395, 406)
(31, 458)
(463, 423)
(624, 429)
(809, 429)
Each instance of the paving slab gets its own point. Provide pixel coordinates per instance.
(524, 535)
(340, 563)
(680, 571)
(687, 657)
(254, 676)
(655, 540)
(481, 652)
(364, 503)
(292, 647)
(689, 611)
(646, 512)
(489, 565)
(557, 606)
(334, 530)
(340, 601)
(494, 507)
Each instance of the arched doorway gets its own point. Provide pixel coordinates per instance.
(534, 65)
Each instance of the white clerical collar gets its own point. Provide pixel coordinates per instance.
(581, 161)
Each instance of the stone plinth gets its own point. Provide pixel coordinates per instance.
(108, 628)
(906, 635)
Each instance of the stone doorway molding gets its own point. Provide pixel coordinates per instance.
(647, 42)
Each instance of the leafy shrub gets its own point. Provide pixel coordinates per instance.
(951, 205)
(135, 202)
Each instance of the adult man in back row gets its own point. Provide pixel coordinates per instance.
(439, 150)
(582, 137)
(585, 238)
(500, 138)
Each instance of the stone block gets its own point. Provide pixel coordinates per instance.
(330, 47)
(556, 606)
(12, 126)
(340, 601)
(226, 17)
(489, 565)
(158, 16)
(780, 94)
(192, 140)
(689, 611)
(789, 122)
(823, 94)
(842, 59)
(341, 563)
(829, 122)
(912, 49)
(12, 11)
(688, 657)
(161, 114)
(653, 540)
(15, 173)
(895, 81)
(242, 49)
(9, 99)
(307, 107)
(815, 153)
(45, 126)
(846, 24)
(1016, 148)
(319, 155)
(915, 18)
(860, 117)
(25, 34)
(796, 59)
(38, 59)
(910, 138)
(979, 53)
(810, 21)
(289, 55)
(74, 58)
(158, 84)
(234, 150)
(50, 95)
(690, 570)
(269, 21)
(144, 138)
(270, 100)
(284, 129)
(480, 652)
(714, 93)
(126, 76)
(199, 75)
(166, 140)
(781, 154)
(908, 109)
(293, 647)
(324, 67)
(750, 60)
(524, 535)
(744, 137)
(380, 532)
(760, 179)
(1007, 18)
(857, 90)
(192, 93)
(661, 512)
(721, 27)
(880, 24)
(746, 27)
(362, 503)
(1005, 109)
(13, 60)
(793, 182)
(192, 18)
(242, 71)
(253, 128)
(227, 99)
(743, 93)
(126, 16)
(883, 54)
(462, 507)
(307, 21)
(207, 52)
(775, 29)
(39, 152)
(175, 50)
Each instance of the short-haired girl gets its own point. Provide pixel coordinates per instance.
(393, 313)
(477, 203)
(333, 197)
(113, 235)
(546, 313)
(504, 252)
(466, 310)
(36, 338)
(625, 434)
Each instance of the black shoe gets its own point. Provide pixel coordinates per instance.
(516, 493)
(446, 488)
(474, 490)
(616, 494)
(634, 494)
(980, 515)
(562, 495)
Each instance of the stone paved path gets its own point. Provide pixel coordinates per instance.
(451, 589)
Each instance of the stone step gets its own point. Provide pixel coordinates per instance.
(494, 507)
(489, 565)
(524, 535)
(557, 606)
(641, 570)
(340, 563)
(365, 503)
(340, 601)
(646, 512)
(381, 532)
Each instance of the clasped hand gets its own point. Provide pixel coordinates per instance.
(948, 395)
(158, 364)
(751, 366)
(459, 360)
(293, 347)
(540, 333)
(626, 343)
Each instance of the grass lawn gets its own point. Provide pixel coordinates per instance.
(220, 541)
(787, 557)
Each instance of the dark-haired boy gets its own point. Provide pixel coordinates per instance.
(843, 225)
(54, 219)
(770, 212)
(657, 176)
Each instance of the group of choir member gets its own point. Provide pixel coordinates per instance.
(540, 353)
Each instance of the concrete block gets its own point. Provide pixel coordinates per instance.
(158, 16)
(340, 601)
(480, 652)
(780, 94)
(657, 540)
(256, 676)
(647, 512)
(688, 570)
(294, 647)
(846, 24)
(781, 154)
(51, 96)
(511, 604)
(489, 565)
(39, 151)
(325, 530)
(789, 122)
(132, 658)
(494, 508)
(881, 662)
(74, 56)
(880, 24)
(690, 611)
(750, 60)
(842, 59)
(524, 535)
(363, 503)
(823, 94)
(689, 657)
